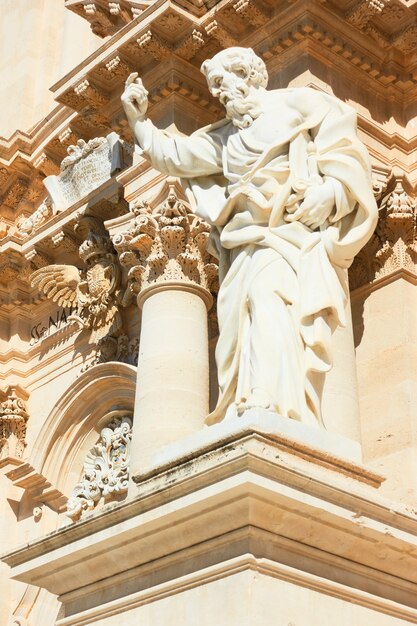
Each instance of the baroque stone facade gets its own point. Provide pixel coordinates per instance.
(108, 327)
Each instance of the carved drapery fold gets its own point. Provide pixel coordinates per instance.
(13, 420)
(106, 469)
(393, 246)
(166, 245)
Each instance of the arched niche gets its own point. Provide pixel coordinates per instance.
(74, 424)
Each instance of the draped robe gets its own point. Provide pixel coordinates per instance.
(283, 286)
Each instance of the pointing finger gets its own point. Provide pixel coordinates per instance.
(131, 78)
(296, 216)
(137, 90)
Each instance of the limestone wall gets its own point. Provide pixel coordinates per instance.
(41, 41)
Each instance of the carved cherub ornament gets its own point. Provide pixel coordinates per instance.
(93, 292)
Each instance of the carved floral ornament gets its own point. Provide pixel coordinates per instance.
(167, 244)
(106, 469)
(13, 420)
(393, 246)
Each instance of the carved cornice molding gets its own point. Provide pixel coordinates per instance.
(53, 236)
(38, 487)
(359, 35)
(167, 40)
(166, 246)
(392, 249)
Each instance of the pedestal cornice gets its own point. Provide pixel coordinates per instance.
(265, 500)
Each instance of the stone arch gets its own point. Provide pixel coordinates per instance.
(74, 424)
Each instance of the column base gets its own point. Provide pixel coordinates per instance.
(288, 433)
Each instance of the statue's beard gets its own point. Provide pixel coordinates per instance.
(241, 110)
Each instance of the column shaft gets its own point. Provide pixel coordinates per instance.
(172, 393)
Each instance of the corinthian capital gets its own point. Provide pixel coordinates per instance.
(167, 246)
(392, 249)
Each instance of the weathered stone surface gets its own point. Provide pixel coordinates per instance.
(226, 520)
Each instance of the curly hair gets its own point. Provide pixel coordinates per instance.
(240, 58)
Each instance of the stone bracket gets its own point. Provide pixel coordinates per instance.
(23, 475)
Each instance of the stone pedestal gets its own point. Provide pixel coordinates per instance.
(241, 530)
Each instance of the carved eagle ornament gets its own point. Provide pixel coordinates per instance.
(93, 293)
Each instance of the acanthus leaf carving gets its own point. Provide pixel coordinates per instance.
(106, 469)
(249, 11)
(393, 246)
(13, 420)
(364, 10)
(167, 243)
(153, 45)
(190, 45)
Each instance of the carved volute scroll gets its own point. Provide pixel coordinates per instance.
(13, 420)
(393, 246)
(87, 166)
(167, 245)
(31, 224)
(106, 469)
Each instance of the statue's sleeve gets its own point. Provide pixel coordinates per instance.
(343, 159)
(198, 155)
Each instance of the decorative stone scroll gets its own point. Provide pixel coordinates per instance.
(106, 469)
(31, 224)
(13, 420)
(393, 246)
(167, 244)
(87, 166)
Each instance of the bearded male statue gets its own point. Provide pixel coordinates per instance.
(286, 185)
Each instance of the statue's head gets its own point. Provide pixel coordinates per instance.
(233, 76)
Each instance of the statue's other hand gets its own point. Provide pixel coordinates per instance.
(318, 203)
(134, 99)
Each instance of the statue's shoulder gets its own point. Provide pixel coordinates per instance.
(302, 96)
(215, 128)
(312, 104)
(307, 98)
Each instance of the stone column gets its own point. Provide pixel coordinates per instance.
(171, 275)
(384, 307)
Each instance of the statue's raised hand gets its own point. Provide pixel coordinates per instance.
(135, 99)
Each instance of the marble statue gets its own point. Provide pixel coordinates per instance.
(286, 185)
